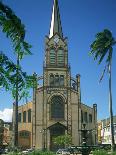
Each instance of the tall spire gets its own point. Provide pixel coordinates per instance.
(55, 26)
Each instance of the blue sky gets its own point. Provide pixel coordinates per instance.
(81, 20)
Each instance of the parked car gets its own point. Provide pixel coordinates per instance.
(63, 151)
(27, 151)
(6, 151)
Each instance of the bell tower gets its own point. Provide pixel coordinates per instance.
(56, 52)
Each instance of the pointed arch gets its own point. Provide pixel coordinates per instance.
(57, 80)
(51, 80)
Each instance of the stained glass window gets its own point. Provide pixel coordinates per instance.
(57, 107)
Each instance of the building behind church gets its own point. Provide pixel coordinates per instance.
(57, 108)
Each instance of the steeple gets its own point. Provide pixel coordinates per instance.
(55, 26)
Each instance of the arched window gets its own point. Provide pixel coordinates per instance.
(24, 116)
(81, 116)
(51, 80)
(85, 117)
(29, 116)
(60, 57)
(61, 80)
(52, 57)
(56, 80)
(57, 108)
(19, 117)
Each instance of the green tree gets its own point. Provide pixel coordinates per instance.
(102, 48)
(11, 76)
(63, 140)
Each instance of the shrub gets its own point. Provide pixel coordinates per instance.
(42, 153)
(100, 152)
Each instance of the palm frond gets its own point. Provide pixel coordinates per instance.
(102, 47)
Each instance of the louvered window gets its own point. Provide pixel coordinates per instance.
(52, 57)
(60, 57)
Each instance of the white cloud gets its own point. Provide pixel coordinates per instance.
(6, 115)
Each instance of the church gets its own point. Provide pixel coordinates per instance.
(56, 108)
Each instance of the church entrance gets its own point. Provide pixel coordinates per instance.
(56, 130)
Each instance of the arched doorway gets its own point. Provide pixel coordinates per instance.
(56, 130)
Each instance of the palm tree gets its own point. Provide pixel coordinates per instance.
(102, 48)
(11, 75)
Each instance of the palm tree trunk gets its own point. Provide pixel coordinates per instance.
(110, 110)
(16, 105)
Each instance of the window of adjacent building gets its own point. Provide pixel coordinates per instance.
(24, 116)
(19, 117)
(60, 57)
(61, 80)
(29, 115)
(85, 117)
(52, 57)
(81, 116)
(56, 80)
(51, 80)
(24, 134)
(57, 108)
(90, 118)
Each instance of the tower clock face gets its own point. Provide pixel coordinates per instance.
(56, 40)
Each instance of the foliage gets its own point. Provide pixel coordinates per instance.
(11, 25)
(100, 152)
(102, 46)
(42, 153)
(64, 140)
(8, 77)
(36, 152)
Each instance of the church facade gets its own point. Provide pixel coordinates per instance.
(57, 108)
